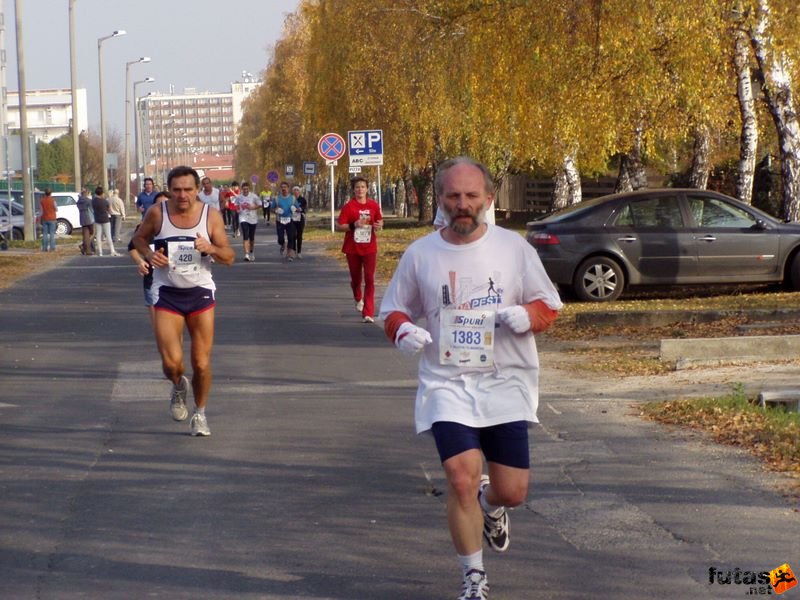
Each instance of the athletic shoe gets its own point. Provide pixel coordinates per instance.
(200, 425)
(246, 257)
(367, 320)
(300, 256)
(475, 586)
(252, 257)
(177, 402)
(291, 259)
(495, 529)
(283, 250)
(360, 305)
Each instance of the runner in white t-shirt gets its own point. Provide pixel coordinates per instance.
(208, 193)
(247, 205)
(483, 292)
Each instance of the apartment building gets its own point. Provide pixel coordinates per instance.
(176, 127)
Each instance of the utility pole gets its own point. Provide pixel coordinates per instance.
(27, 184)
(73, 75)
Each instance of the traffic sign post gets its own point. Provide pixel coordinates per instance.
(331, 147)
(366, 150)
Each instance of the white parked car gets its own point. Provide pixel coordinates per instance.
(67, 215)
(67, 212)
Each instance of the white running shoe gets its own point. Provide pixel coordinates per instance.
(495, 529)
(177, 401)
(200, 425)
(367, 320)
(360, 305)
(475, 586)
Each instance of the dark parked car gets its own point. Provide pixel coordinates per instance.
(663, 237)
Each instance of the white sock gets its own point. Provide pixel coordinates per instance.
(489, 509)
(200, 411)
(471, 561)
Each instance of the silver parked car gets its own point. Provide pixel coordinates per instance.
(599, 247)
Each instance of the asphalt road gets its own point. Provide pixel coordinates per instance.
(313, 484)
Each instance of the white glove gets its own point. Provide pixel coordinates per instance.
(515, 318)
(294, 208)
(411, 339)
(279, 211)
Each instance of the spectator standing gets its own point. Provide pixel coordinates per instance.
(116, 209)
(299, 219)
(360, 219)
(102, 222)
(483, 293)
(147, 196)
(86, 215)
(48, 218)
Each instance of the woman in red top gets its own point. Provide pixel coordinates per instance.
(48, 207)
(360, 219)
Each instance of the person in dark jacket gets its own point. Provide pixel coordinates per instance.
(86, 215)
(102, 221)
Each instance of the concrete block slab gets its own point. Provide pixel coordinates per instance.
(745, 348)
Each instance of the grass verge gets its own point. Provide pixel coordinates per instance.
(771, 434)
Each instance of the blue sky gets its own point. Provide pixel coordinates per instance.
(205, 44)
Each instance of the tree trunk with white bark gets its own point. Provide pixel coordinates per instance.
(701, 164)
(748, 139)
(777, 86)
(632, 174)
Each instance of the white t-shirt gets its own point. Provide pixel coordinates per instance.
(211, 199)
(248, 215)
(497, 271)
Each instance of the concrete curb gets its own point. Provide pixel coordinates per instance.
(673, 317)
(694, 351)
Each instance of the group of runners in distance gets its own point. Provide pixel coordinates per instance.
(480, 290)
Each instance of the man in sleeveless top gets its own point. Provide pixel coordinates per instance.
(186, 236)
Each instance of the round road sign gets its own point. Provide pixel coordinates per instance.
(331, 146)
(273, 177)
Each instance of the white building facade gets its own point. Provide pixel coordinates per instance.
(49, 112)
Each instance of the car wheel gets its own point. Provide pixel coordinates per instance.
(793, 282)
(598, 279)
(17, 234)
(63, 228)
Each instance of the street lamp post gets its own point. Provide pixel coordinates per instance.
(100, 41)
(73, 76)
(137, 159)
(143, 59)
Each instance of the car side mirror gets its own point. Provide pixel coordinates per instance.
(760, 224)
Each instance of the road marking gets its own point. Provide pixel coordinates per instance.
(142, 382)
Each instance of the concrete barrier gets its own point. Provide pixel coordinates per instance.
(686, 352)
(789, 399)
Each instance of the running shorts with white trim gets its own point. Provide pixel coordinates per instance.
(183, 301)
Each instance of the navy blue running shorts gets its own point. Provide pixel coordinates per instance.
(184, 301)
(248, 231)
(504, 444)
